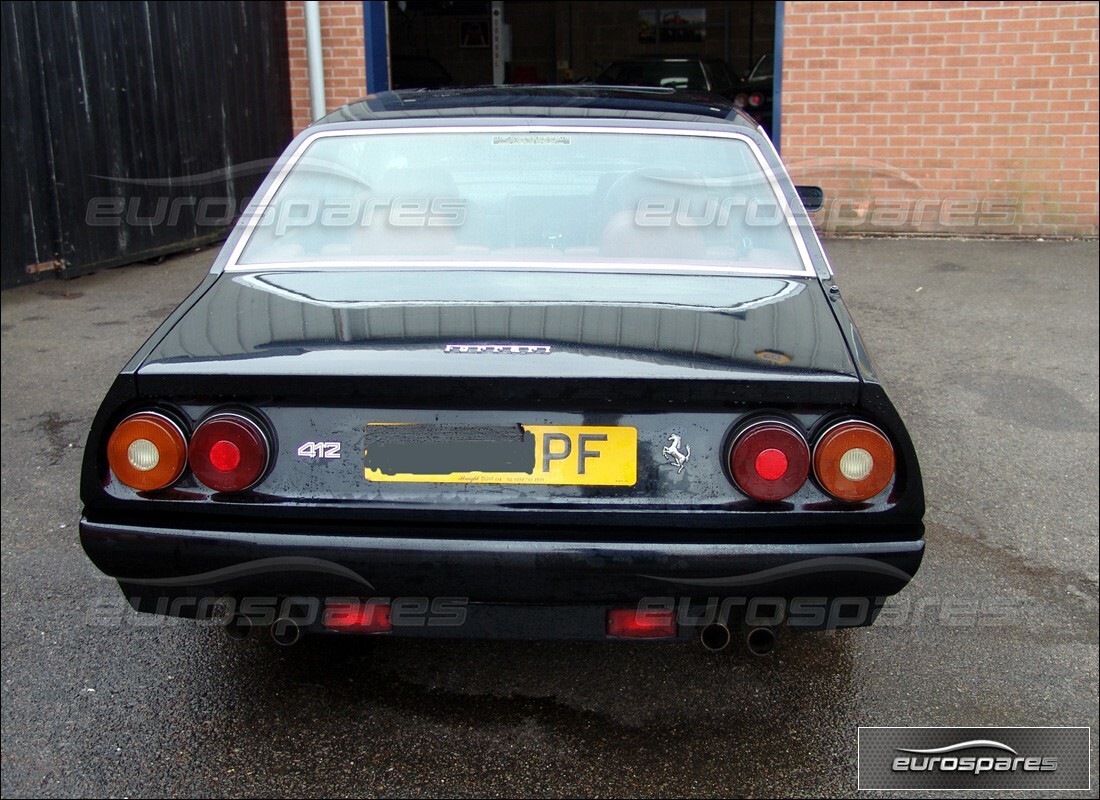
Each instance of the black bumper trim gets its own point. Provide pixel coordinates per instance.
(214, 563)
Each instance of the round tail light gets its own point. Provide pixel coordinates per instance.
(756, 99)
(229, 452)
(853, 461)
(769, 460)
(147, 451)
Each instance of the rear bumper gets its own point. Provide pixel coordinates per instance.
(154, 565)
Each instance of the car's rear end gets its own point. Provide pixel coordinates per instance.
(525, 425)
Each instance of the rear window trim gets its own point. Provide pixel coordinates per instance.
(248, 226)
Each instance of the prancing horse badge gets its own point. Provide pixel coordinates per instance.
(674, 455)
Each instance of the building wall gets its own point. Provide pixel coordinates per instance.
(552, 41)
(972, 117)
(344, 53)
(945, 117)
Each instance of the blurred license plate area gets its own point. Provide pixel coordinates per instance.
(561, 455)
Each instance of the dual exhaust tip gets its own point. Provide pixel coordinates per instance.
(284, 631)
(759, 641)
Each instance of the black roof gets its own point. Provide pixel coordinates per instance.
(574, 100)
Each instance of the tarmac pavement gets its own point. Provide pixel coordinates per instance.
(988, 348)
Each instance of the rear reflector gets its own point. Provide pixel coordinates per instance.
(352, 617)
(225, 456)
(229, 452)
(769, 460)
(853, 461)
(147, 451)
(771, 464)
(633, 623)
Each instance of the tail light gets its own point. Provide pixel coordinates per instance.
(853, 461)
(634, 623)
(147, 451)
(741, 100)
(769, 460)
(229, 452)
(756, 99)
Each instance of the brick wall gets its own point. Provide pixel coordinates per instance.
(344, 54)
(945, 117)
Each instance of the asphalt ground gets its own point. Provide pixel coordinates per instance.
(990, 350)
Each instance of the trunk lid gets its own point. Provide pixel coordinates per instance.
(410, 334)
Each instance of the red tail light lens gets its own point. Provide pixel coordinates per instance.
(634, 623)
(352, 617)
(853, 461)
(756, 99)
(147, 451)
(769, 460)
(229, 452)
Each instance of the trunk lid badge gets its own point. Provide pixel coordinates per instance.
(517, 349)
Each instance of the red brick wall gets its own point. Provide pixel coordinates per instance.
(344, 53)
(945, 117)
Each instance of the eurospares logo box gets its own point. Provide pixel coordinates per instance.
(982, 759)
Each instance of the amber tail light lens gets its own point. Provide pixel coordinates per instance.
(229, 452)
(853, 461)
(769, 460)
(147, 451)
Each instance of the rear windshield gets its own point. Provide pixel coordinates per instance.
(505, 197)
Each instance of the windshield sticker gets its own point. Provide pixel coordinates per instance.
(512, 139)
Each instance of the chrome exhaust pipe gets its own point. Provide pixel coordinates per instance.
(760, 641)
(286, 632)
(715, 637)
(238, 627)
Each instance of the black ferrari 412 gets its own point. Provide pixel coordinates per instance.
(555, 362)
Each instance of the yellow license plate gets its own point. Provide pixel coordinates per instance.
(556, 455)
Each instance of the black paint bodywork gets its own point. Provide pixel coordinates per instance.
(318, 354)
